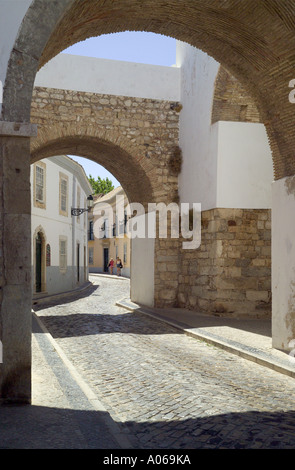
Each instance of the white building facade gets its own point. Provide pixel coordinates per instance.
(59, 240)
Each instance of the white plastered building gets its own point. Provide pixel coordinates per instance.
(59, 239)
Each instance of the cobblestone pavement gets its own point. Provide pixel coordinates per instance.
(169, 390)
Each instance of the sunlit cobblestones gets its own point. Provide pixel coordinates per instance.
(170, 390)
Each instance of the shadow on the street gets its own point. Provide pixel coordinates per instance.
(39, 427)
(61, 299)
(109, 323)
(83, 324)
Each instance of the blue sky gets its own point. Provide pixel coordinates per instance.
(147, 48)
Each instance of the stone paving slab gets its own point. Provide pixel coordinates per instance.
(250, 339)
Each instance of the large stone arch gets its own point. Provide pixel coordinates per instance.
(240, 35)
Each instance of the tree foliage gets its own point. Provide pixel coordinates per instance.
(101, 186)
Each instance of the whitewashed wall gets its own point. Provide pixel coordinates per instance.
(142, 264)
(89, 74)
(227, 164)
(283, 264)
(197, 181)
(244, 166)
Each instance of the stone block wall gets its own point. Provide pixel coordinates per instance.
(167, 266)
(230, 274)
(134, 138)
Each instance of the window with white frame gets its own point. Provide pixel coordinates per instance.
(63, 254)
(63, 194)
(40, 185)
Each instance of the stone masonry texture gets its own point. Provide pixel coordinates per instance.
(134, 138)
(230, 274)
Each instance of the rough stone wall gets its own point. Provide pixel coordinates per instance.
(230, 274)
(167, 270)
(231, 101)
(135, 138)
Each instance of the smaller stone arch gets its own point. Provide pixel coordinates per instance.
(133, 138)
(39, 265)
(117, 161)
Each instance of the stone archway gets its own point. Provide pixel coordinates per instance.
(115, 132)
(253, 40)
(135, 139)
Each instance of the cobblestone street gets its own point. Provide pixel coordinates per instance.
(169, 390)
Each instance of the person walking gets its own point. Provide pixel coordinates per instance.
(119, 266)
(111, 265)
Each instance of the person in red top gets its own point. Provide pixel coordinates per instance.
(111, 265)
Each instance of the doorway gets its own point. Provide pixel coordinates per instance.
(78, 262)
(85, 264)
(105, 260)
(38, 279)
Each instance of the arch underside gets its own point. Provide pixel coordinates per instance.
(231, 102)
(253, 40)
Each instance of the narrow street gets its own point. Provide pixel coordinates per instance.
(168, 390)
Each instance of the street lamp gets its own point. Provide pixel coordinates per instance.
(78, 211)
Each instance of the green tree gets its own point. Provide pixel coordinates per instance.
(100, 186)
